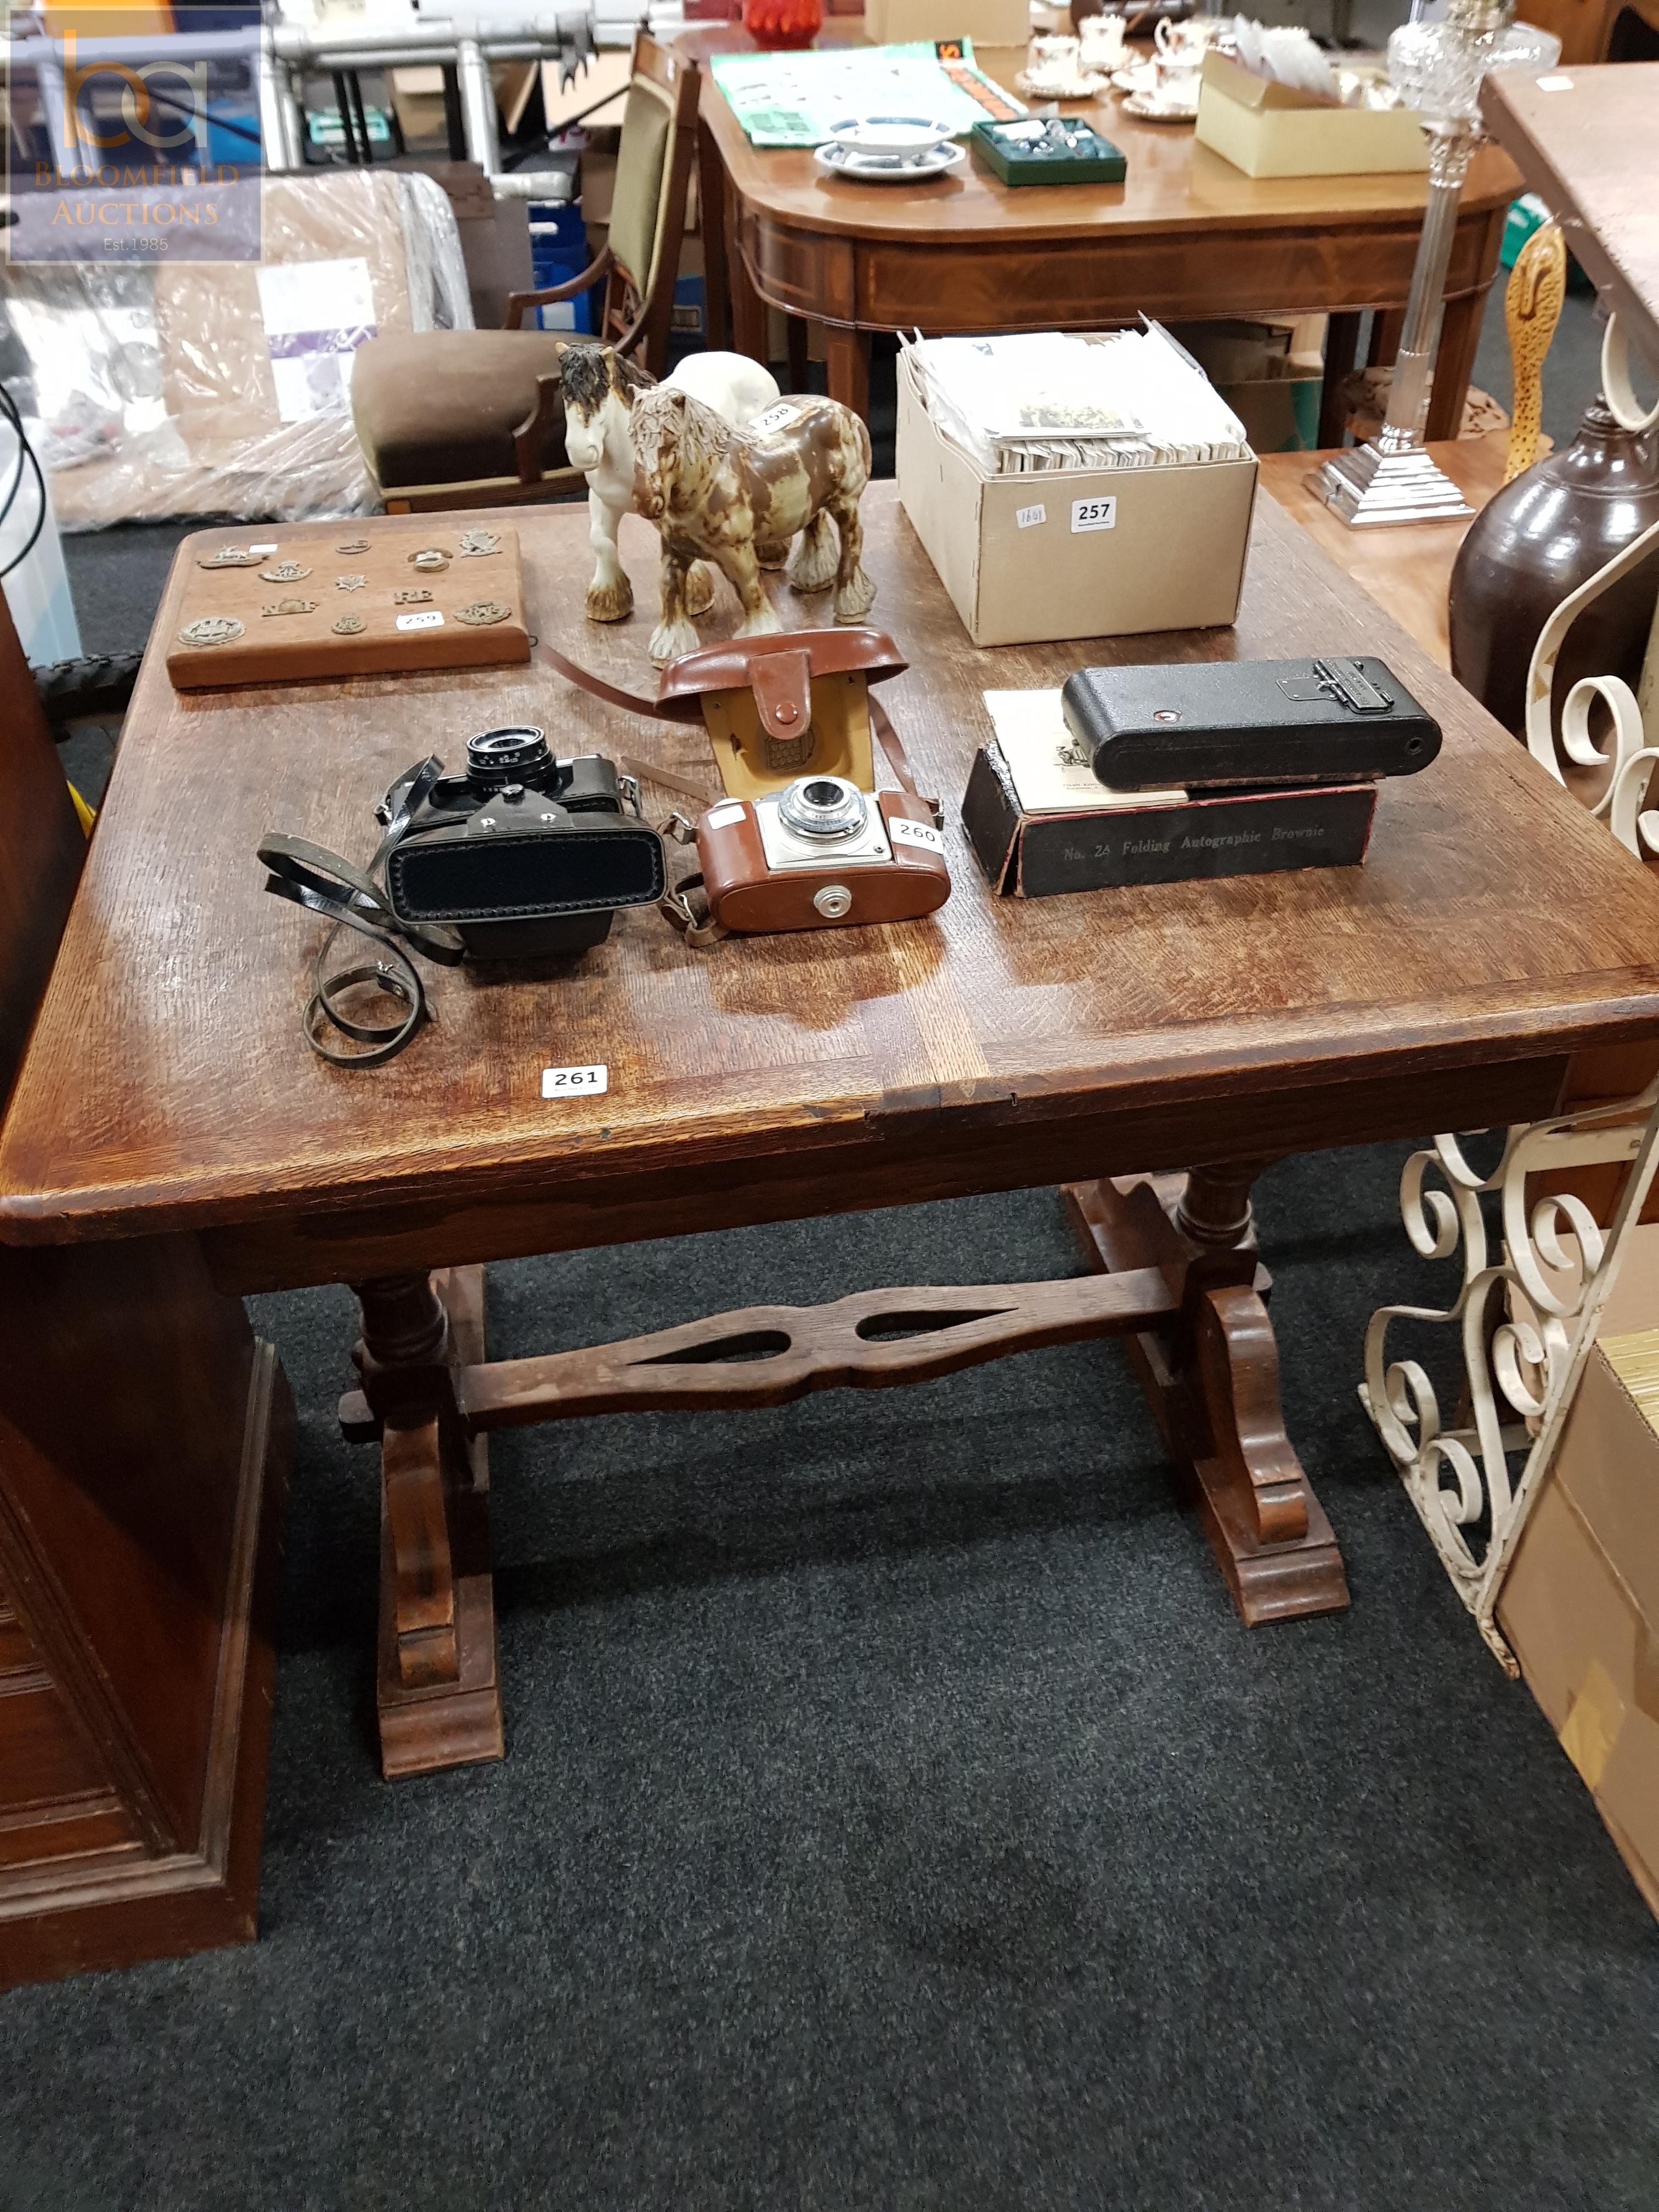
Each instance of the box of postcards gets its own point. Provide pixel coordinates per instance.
(1066, 487)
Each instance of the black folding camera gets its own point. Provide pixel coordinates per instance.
(1336, 719)
(523, 855)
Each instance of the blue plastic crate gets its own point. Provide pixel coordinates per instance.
(558, 251)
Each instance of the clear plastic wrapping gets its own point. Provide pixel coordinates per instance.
(213, 388)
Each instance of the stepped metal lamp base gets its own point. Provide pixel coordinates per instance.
(1368, 487)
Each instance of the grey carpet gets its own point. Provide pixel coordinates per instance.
(894, 1815)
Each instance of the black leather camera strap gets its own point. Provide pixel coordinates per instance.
(352, 898)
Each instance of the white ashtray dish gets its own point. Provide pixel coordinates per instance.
(889, 169)
(890, 134)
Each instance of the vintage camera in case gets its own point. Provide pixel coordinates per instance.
(820, 854)
(523, 855)
(1333, 719)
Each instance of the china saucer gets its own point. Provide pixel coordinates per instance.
(888, 168)
(1083, 86)
(1150, 110)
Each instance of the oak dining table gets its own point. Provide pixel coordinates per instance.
(1146, 1048)
(1185, 236)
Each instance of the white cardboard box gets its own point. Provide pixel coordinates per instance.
(1271, 130)
(1073, 553)
(987, 22)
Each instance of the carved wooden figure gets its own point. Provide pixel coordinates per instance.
(598, 384)
(725, 496)
(1532, 308)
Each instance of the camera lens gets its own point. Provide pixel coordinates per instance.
(823, 806)
(510, 756)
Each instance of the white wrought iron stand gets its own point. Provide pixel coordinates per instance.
(1526, 1315)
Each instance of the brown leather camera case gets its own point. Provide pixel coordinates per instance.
(745, 896)
(780, 706)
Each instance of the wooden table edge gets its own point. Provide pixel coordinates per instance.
(834, 221)
(1528, 1033)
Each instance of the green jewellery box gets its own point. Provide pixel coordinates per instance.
(1055, 150)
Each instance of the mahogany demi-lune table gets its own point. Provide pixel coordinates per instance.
(1185, 235)
(1147, 1049)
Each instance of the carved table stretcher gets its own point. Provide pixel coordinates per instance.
(1205, 1027)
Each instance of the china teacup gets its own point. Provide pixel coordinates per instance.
(1052, 67)
(1102, 42)
(1180, 42)
(1176, 89)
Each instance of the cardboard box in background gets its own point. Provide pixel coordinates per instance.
(495, 237)
(1021, 567)
(1580, 1607)
(1271, 130)
(417, 98)
(988, 22)
(1270, 372)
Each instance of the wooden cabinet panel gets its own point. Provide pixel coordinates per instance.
(44, 1757)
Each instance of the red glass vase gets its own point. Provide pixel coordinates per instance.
(781, 23)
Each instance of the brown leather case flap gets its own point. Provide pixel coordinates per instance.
(783, 692)
(778, 670)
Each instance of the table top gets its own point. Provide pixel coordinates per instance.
(1583, 140)
(1406, 569)
(1173, 182)
(167, 1084)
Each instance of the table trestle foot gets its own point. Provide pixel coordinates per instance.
(1211, 1373)
(438, 1694)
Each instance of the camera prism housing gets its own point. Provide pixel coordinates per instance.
(820, 855)
(1336, 719)
(524, 855)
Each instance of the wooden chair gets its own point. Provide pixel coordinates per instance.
(475, 418)
(144, 1451)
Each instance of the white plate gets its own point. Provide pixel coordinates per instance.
(889, 169)
(1149, 112)
(1140, 76)
(890, 134)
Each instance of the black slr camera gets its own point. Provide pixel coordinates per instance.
(523, 855)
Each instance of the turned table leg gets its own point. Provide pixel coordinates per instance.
(846, 368)
(1212, 1375)
(438, 1694)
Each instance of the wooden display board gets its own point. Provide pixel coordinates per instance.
(397, 615)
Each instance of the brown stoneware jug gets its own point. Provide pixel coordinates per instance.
(1539, 539)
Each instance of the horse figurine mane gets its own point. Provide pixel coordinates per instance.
(729, 495)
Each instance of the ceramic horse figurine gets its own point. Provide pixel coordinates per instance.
(599, 387)
(724, 496)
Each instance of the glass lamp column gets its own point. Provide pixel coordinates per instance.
(1437, 68)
